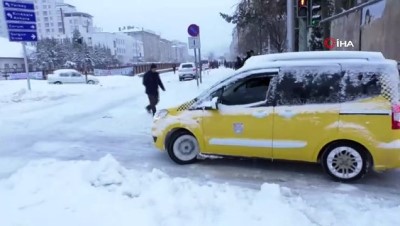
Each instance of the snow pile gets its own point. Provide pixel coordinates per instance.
(16, 91)
(50, 192)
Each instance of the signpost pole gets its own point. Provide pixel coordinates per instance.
(195, 63)
(20, 18)
(194, 43)
(201, 64)
(26, 65)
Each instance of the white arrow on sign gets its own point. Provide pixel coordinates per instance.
(7, 4)
(33, 37)
(33, 26)
(10, 15)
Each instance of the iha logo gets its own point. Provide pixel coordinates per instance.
(331, 43)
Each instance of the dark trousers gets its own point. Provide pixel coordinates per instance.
(153, 100)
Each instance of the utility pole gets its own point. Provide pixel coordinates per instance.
(290, 25)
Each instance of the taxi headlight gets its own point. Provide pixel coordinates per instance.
(161, 114)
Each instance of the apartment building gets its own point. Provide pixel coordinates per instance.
(125, 48)
(180, 51)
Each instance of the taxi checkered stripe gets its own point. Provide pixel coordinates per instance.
(387, 90)
(186, 105)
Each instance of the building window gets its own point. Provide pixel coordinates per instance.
(60, 30)
(46, 25)
(45, 13)
(60, 24)
(46, 19)
(6, 66)
(48, 30)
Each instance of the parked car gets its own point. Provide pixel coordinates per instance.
(340, 110)
(65, 76)
(187, 71)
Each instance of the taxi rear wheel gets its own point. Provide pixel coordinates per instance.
(346, 162)
(183, 148)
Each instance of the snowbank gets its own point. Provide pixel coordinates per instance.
(50, 192)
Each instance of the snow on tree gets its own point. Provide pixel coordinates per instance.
(71, 53)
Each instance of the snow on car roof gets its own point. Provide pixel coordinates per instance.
(64, 71)
(314, 56)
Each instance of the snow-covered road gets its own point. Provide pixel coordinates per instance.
(75, 123)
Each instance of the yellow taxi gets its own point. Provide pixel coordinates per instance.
(339, 110)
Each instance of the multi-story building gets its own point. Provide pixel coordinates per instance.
(124, 47)
(83, 22)
(166, 51)
(151, 43)
(180, 51)
(47, 18)
(55, 19)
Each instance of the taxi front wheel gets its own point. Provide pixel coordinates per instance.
(183, 148)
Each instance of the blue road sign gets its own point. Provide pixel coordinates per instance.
(12, 15)
(22, 36)
(18, 5)
(21, 21)
(16, 26)
(194, 30)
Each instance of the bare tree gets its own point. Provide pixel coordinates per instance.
(255, 21)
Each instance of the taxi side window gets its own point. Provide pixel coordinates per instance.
(312, 87)
(360, 85)
(246, 91)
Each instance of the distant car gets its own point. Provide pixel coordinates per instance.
(205, 66)
(187, 70)
(70, 76)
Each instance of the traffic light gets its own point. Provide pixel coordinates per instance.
(315, 14)
(302, 9)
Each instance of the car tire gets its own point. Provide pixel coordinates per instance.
(183, 148)
(346, 161)
(58, 83)
(91, 82)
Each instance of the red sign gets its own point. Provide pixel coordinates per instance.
(330, 43)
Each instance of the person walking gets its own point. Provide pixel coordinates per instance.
(174, 68)
(151, 81)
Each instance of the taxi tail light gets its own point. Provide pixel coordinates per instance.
(396, 116)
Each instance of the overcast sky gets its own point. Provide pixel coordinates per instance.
(170, 18)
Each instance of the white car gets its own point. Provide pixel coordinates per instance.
(70, 76)
(187, 70)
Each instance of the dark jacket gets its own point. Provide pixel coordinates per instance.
(151, 80)
(238, 63)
